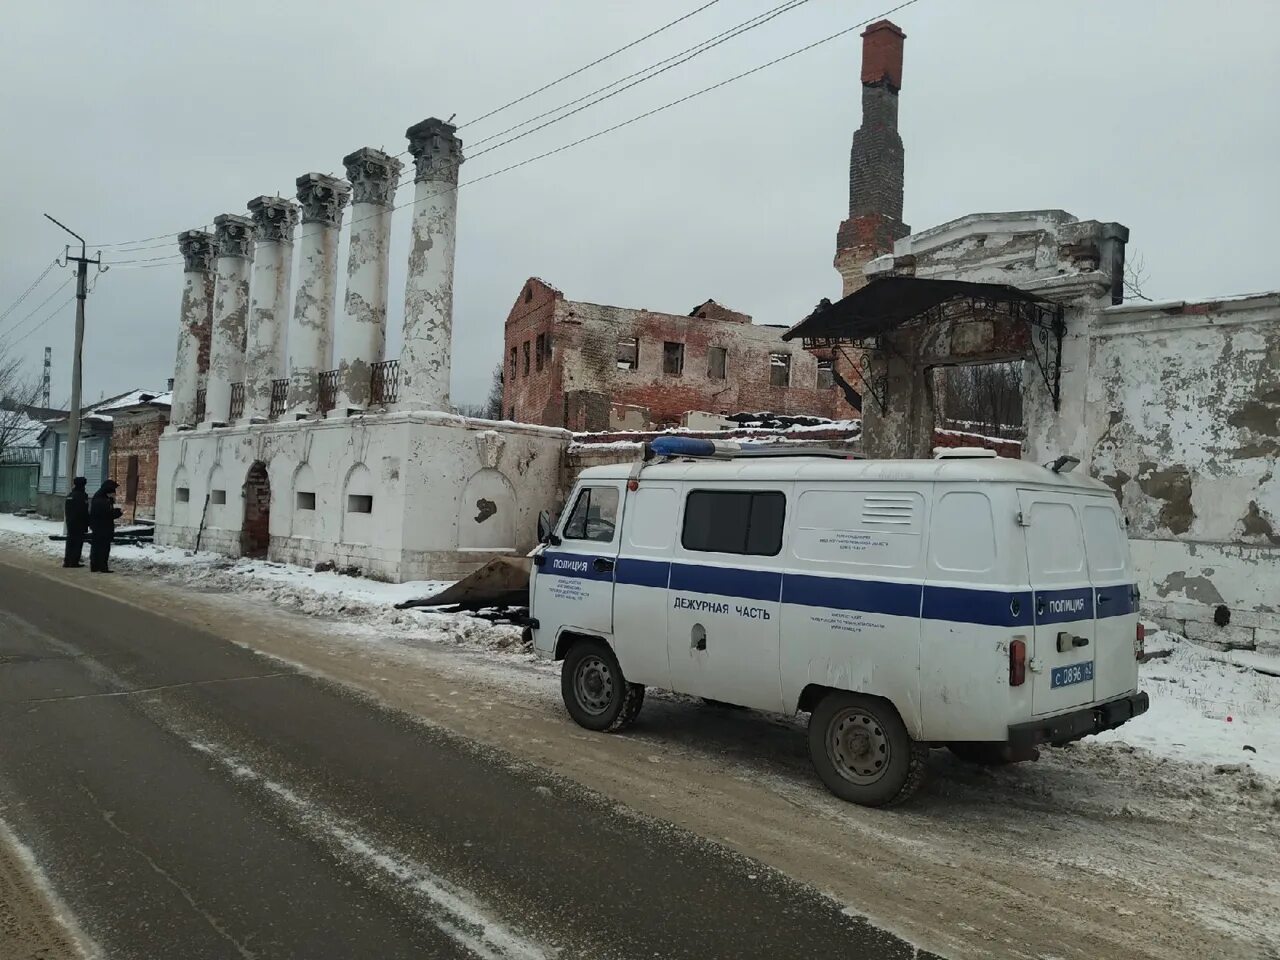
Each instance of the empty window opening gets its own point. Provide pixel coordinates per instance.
(780, 369)
(131, 479)
(540, 351)
(716, 360)
(183, 495)
(306, 500)
(515, 360)
(826, 376)
(628, 353)
(528, 294)
(673, 358)
(218, 496)
(359, 503)
(525, 353)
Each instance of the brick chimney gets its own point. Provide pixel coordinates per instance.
(876, 160)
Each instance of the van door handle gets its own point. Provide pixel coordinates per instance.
(1066, 641)
(1104, 598)
(1079, 641)
(602, 564)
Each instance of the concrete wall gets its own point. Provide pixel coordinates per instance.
(1183, 422)
(578, 382)
(1175, 406)
(447, 493)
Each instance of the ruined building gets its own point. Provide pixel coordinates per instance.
(308, 444)
(589, 367)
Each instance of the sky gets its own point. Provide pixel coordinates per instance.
(134, 119)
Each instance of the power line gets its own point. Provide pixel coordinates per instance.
(42, 303)
(27, 292)
(693, 51)
(574, 73)
(607, 130)
(39, 326)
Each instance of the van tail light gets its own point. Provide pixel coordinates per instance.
(1140, 642)
(1017, 662)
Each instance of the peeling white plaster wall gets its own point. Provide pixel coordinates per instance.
(427, 474)
(1183, 417)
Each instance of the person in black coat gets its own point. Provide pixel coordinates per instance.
(76, 512)
(102, 521)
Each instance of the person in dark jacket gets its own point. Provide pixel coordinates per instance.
(76, 512)
(102, 521)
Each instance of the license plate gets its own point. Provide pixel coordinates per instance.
(1066, 676)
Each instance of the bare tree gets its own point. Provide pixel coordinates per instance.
(493, 404)
(491, 409)
(18, 394)
(984, 399)
(1135, 277)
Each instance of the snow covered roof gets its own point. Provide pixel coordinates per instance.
(135, 398)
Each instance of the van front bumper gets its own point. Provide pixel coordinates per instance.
(1066, 727)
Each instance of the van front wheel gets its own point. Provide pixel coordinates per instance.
(595, 692)
(862, 750)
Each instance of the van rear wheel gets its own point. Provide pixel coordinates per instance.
(862, 750)
(595, 692)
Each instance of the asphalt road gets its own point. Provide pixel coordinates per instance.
(190, 798)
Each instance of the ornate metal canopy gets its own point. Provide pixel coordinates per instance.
(868, 317)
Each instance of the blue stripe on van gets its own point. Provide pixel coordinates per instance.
(727, 581)
(1117, 601)
(844, 593)
(992, 608)
(1064, 606)
(643, 573)
(997, 608)
(579, 565)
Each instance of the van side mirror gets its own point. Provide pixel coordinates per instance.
(544, 529)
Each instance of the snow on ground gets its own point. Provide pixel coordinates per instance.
(1208, 707)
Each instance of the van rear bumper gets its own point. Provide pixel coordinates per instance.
(1066, 727)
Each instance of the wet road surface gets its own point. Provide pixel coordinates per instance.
(189, 798)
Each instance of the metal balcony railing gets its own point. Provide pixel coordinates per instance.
(279, 398)
(384, 388)
(237, 401)
(327, 394)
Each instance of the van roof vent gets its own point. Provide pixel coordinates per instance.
(963, 453)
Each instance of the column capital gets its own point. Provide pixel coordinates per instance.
(374, 176)
(196, 247)
(233, 236)
(322, 198)
(436, 149)
(274, 217)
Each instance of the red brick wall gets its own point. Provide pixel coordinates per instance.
(882, 54)
(136, 434)
(583, 364)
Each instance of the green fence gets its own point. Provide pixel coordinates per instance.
(18, 486)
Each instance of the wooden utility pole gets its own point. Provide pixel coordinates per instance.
(82, 293)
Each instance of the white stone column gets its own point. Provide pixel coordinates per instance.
(193, 323)
(428, 295)
(264, 356)
(311, 328)
(361, 336)
(233, 244)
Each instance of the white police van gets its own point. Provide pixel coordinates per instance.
(983, 604)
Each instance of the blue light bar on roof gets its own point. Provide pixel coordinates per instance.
(693, 447)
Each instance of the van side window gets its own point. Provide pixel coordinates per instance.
(734, 521)
(964, 533)
(1104, 541)
(594, 515)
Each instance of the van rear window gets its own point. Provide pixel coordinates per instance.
(734, 521)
